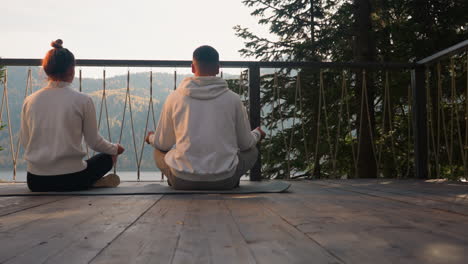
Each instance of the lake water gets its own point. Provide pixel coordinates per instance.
(7, 175)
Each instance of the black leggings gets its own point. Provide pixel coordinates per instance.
(97, 167)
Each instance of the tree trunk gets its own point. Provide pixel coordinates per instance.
(312, 27)
(389, 169)
(364, 51)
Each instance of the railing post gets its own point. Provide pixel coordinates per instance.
(419, 122)
(254, 112)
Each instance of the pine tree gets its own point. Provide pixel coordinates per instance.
(346, 30)
(365, 51)
(306, 31)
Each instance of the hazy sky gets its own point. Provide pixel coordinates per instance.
(124, 29)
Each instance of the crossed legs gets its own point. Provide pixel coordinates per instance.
(247, 160)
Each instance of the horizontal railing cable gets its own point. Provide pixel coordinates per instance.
(224, 64)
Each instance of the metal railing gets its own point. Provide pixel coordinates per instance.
(441, 107)
(299, 122)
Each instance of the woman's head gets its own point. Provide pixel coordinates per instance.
(59, 63)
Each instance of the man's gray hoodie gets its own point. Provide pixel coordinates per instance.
(203, 125)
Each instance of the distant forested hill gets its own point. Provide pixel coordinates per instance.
(163, 84)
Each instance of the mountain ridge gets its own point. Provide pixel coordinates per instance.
(116, 91)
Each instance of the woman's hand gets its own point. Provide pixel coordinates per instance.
(120, 149)
(147, 139)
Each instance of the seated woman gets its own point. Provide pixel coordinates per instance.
(54, 121)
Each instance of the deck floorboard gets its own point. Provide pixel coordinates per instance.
(10, 205)
(360, 228)
(68, 231)
(151, 239)
(435, 196)
(324, 221)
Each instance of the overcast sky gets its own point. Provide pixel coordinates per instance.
(124, 29)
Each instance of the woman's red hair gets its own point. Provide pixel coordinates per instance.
(58, 61)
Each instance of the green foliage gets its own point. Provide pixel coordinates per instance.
(312, 30)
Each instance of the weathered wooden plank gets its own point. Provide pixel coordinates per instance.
(151, 239)
(390, 207)
(68, 231)
(336, 231)
(449, 193)
(273, 240)
(46, 213)
(442, 188)
(433, 198)
(10, 205)
(362, 229)
(210, 235)
(319, 221)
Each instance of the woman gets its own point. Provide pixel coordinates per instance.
(54, 120)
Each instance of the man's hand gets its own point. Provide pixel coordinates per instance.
(147, 139)
(120, 149)
(262, 133)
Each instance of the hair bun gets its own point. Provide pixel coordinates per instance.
(57, 44)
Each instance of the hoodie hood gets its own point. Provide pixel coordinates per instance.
(203, 87)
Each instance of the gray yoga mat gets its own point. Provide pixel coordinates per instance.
(147, 189)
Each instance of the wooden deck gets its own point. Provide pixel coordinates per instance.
(354, 221)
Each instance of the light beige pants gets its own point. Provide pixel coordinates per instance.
(247, 160)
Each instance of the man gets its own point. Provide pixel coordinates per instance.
(203, 139)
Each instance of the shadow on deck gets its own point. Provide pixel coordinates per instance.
(329, 221)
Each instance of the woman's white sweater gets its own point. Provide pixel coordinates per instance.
(54, 121)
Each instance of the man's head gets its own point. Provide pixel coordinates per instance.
(205, 61)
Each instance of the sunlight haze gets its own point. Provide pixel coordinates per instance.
(118, 29)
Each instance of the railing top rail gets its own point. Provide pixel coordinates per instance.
(444, 53)
(224, 64)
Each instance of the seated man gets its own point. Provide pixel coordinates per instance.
(203, 139)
